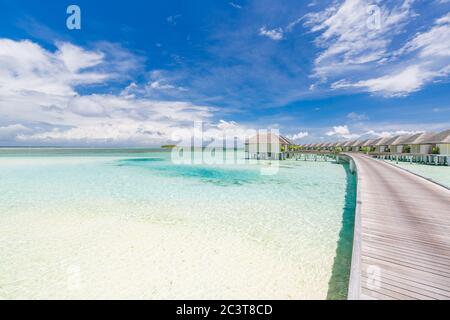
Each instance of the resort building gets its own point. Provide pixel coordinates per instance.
(369, 144)
(341, 144)
(267, 147)
(440, 141)
(382, 145)
(354, 147)
(424, 147)
(418, 144)
(394, 145)
(359, 145)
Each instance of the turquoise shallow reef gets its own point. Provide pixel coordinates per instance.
(131, 224)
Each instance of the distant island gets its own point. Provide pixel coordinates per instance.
(168, 146)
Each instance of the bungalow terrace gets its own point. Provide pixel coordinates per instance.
(267, 147)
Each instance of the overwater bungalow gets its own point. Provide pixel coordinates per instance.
(267, 147)
(329, 146)
(340, 145)
(357, 147)
(354, 146)
(422, 144)
(334, 146)
(440, 141)
(401, 144)
(425, 147)
(322, 146)
(382, 144)
(348, 145)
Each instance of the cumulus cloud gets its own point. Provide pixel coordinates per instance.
(342, 132)
(27, 67)
(274, 34)
(40, 99)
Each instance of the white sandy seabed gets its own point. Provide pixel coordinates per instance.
(93, 244)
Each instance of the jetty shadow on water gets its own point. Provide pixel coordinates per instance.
(338, 284)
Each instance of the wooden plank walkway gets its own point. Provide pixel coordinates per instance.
(402, 235)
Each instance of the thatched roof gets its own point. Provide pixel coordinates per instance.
(361, 143)
(404, 139)
(369, 142)
(349, 143)
(355, 143)
(401, 140)
(414, 138)
(442, 137)
(341, 144)
(384, 141)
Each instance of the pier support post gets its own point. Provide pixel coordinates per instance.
(352, 166)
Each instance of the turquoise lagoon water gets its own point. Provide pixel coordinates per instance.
(131, 224)
(440, 174)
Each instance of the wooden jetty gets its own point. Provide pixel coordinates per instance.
(401, 247)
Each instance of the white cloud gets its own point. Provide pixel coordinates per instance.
(434, 42)
(353, 34)
(159, 82)
(274, 34)
(76, 59)
(429, 60)
(235, 5)
(40, 101)
(343, 132)
(298, 136)
(395, 84)
(27, 67)
(386, 134)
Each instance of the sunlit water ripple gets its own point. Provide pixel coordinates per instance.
(86, 224)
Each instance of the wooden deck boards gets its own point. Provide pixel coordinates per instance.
(403, 247)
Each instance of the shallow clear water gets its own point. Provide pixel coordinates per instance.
(440, 174)
(130, 224)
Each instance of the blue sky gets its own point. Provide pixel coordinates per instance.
(138, 72)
